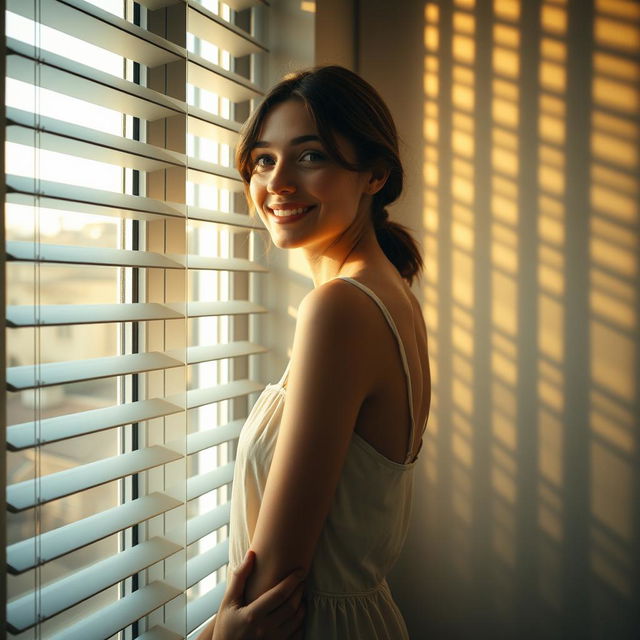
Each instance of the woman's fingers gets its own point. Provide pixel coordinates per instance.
(291, 628)
(297, 596)
(238, 579)
(288, 609)
(277, 595)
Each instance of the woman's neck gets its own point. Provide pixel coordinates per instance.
(347, 257)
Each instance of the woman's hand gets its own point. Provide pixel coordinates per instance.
(276, 615)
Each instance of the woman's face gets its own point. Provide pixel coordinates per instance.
(304, 198)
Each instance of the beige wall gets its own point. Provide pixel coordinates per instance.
(291, 37)
(521, 143)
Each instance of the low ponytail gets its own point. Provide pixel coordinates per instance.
(398, 245)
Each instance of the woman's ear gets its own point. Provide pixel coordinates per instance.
(377, 179)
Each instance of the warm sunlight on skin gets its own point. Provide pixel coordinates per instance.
(292, 170)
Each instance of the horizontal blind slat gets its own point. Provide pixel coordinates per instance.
(224, 264)
(204, 124)
(230, 174)
(207, 75)
(208, 522)
(26, 554)
(22, 251)
(30, 434)
(74, 254)
(206, 25)
(205, 563)
(237, 219)
(115, 617)
(200, 397)
(205, 482)
(53, 373)
(214, 175)
(66, 197)
(158, 632)
(22, 613)
(225, 308)
(72, 314)
(201, 440)
(23, 495)
(201, 609)
(207, 353)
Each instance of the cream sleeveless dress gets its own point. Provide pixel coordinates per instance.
(347, 595)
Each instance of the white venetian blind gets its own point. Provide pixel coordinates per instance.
(132, 283)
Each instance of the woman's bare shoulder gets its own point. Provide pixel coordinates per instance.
(339, 318)
(334, 300)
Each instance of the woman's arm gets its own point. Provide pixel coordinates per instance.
(327, 385)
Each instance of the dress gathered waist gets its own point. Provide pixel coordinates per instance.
(310, 591)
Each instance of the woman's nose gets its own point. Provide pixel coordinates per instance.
(281, 179)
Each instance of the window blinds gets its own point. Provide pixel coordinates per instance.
(131, 293)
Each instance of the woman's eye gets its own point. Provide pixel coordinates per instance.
(312, 156)
(262, 161)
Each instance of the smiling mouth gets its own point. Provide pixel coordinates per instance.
(286, 213)
(282, 216)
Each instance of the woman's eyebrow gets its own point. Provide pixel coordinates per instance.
(294, 141)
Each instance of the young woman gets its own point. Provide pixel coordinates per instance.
(325, 461)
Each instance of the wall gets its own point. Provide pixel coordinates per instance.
(521, 143)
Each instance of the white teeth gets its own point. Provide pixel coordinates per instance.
(283, 213)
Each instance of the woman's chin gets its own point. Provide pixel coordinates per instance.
(287, 242)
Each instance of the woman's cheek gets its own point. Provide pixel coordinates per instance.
(257, 194)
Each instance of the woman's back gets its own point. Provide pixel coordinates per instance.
(384, 420)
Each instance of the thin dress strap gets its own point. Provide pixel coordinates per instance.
(285, 374)
(403, 355)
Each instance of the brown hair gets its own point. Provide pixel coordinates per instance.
(340, 101)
